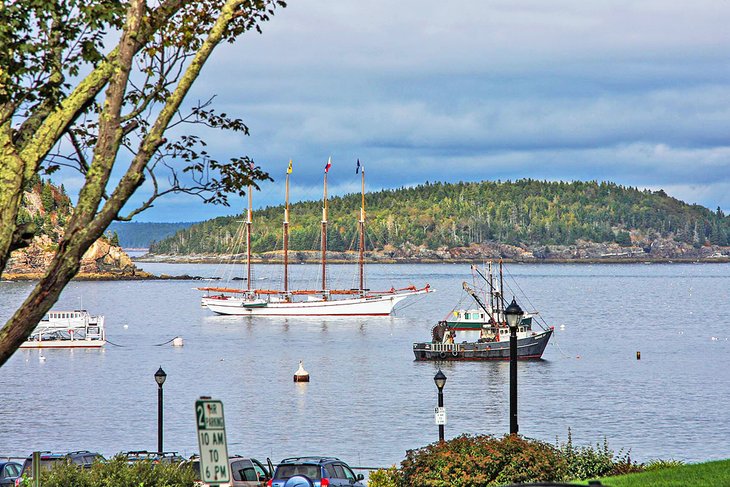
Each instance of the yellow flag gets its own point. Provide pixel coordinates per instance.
(288, 170)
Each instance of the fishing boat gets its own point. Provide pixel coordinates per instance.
(68, 329)
(325, 301)
(483, 334)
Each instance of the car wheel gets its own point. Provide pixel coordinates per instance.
(299, 481)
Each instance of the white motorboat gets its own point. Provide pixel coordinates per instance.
(68, 329)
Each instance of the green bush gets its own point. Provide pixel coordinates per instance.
(387, 477)
(482, 460)
(589, 463)
(117, 473)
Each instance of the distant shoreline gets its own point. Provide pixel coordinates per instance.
(169, 259)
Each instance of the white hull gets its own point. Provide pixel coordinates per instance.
(369, 306)
(68, 329)
(64, 344)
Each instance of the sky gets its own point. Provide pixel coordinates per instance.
(635, 92)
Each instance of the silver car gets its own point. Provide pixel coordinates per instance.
(245, 472)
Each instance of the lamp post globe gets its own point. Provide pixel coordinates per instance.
(440, 380)
(160, 376)
(513, 314)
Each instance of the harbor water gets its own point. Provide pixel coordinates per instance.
(368, 401)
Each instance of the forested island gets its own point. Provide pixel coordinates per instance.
(525, 220)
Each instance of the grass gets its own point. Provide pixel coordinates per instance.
(710, 474)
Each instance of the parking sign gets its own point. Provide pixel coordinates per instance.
(212, 441)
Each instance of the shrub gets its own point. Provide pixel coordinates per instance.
(589, 463)
(117, 473)
(387, 477)
(482, 460)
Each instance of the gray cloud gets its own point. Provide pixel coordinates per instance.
(630, 91)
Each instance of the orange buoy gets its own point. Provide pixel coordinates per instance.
(301, 375)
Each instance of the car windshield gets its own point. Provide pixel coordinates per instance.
(286, 471)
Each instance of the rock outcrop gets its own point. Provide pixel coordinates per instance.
(48, 207)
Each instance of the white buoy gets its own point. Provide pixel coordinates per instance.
(562, 327)
(178, 342)
(126, 326)
(301, 375)
(41, 357)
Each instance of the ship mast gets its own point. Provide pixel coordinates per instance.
(249, 221)
(500, 299)
(286, 231)
(361, 257)
(324, 230)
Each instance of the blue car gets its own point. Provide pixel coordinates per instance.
(314, 472)
(9, 471)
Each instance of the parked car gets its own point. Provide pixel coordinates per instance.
(314, 472)
(83, 459)
(9, 471)
(152, 456)
(245, 472)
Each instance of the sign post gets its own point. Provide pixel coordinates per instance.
(212, 441)
(439, 415)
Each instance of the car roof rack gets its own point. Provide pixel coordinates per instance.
(311, 458)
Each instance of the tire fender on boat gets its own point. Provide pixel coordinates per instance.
(442, 355)
(454, 352)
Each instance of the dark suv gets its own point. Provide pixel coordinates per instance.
(314, 472)
(82, 458)
(152, 456)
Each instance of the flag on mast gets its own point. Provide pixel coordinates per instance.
(359, 167)
(329, 165)
(289, 169)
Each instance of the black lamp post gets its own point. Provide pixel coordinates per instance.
(513, 314)
(440, 380)
(160, 377)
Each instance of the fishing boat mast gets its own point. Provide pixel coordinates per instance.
(324, 231)
(500, 299)
(286, 232)
(361, 257)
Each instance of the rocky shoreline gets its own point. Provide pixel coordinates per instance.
(659, 251)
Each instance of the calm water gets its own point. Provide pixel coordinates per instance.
(368, 401)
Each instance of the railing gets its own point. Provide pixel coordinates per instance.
(445, 347)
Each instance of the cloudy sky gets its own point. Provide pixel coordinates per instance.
(636, 92)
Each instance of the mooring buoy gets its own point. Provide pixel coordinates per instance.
(301, 375)
(638, 355)
(178, 342)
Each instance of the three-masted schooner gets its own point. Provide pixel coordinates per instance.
(308, 302)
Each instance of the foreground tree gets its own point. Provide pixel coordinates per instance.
(66, 100)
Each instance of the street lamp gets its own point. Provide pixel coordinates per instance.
(513, 314)
(160, 377)
(440, 380)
